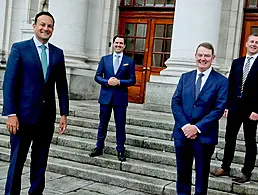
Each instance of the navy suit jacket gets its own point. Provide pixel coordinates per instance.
(249, 98)
(24, 88)
(126, 74)
(205, 111)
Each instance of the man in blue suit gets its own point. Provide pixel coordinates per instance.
(115, 73)
(242, 108)
(197, 105)
(33, 70)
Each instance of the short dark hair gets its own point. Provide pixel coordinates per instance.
(118, 36)
(254, 34)
(207, 46)
(44, 13)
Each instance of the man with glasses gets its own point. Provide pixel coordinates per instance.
(197, 105)
(242, 108)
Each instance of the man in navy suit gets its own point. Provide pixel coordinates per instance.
(242, 108)
(197, 105)
(33, 70)
(115, 73)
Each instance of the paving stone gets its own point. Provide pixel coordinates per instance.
(104, 188)
(132, 192)
(67, 184)
(46, 192)
(84, 192)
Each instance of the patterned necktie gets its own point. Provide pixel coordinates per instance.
(44, 62)
(246, 71)
(198, 85)
(116, 63)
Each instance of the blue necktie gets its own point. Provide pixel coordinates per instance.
(198, 85)
(44, 60)
(116, 63)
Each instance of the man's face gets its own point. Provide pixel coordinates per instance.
(119, 45)
(43, 29)
(252, 45)
(204, 58)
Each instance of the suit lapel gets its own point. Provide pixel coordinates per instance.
(35, 55)
(51, 59)
(121, 64)
(192, 84)
(207, 84)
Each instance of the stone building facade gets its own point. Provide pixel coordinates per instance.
(84, 30)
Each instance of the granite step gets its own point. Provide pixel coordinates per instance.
(116, 177)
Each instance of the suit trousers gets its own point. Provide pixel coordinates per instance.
(234, 122)
(39, 137)
(186, 150)
(120, 120)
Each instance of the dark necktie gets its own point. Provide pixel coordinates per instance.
(246, 71)
(116, 63)
(44, 60)
(198, 85)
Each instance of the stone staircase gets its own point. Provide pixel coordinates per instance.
(150, 165)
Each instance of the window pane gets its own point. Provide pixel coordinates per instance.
(141, 30)
(129, 29)
(166, 56)
(149, 2)
(139, 3)
(169, 30)
(128, 54)
(171, 3)
(158, 45)
(138, 58)
(156, 60)
(159, 3)
(254, 30)
(140, 44)
(127, 2)
(160, 30)
(129, 44)
(252, 3)
(168, 45)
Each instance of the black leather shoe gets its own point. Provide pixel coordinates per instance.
(96, 152)
(242, 178)
(121, 156)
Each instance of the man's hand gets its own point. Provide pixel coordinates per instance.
(63, 124)
(190, 131)
(113, 81)
(225, 113)
(253, 116)
(12, 124)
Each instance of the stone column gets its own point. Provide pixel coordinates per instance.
(195, 21)
(70, 29)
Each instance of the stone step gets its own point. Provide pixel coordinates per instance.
(121, 177)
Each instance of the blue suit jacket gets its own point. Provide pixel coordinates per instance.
(205, 111)
(249, 99)
(24, 88)
(126, 75)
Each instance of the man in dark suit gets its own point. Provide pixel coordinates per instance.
(34, 68)
(242, 108)
(115, 73)
(197, 105)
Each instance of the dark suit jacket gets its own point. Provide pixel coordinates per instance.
(126, 75)
(205, 111)
(24, 88)
(249, 100)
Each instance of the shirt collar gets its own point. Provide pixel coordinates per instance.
(38, 43)
(118, 54)
(254, 56)
(206, 72)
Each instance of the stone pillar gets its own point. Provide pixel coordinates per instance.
(70, 35)
(70, 29)
(195, 21)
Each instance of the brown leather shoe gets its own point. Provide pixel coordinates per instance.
(220, 172)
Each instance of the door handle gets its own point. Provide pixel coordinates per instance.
(148, 68)
(144, 68)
